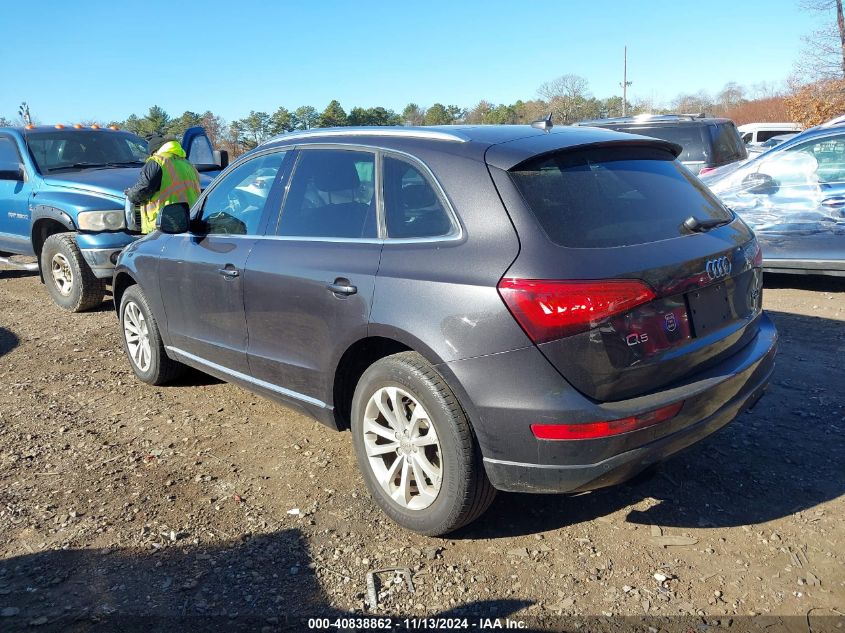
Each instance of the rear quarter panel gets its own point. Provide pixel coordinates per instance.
(440, 297)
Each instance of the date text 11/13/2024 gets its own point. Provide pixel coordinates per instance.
(415, 624)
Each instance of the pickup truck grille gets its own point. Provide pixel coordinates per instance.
(137, 209)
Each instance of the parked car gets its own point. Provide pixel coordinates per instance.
(793, 196)
(707, 142)
(486, 308)
(61, 195)
(757, 133)
(765, 146)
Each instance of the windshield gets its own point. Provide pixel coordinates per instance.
(67, 150)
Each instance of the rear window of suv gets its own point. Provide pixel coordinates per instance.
(692, 138)
(606, 197)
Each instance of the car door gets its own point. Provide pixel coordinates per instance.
(15, 196)
(308, 289)
(795, 200)
(201, 272)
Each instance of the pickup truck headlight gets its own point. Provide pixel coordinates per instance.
(101, 220)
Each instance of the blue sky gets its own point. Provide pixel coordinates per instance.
(106, 59)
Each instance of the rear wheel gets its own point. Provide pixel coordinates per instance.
(142, 340)
(415, 447)
(68, 278)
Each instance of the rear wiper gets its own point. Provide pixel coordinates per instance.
(695, 225)
(77, 166)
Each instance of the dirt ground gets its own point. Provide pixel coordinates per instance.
(204, 506)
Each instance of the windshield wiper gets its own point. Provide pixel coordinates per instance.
(695, 225)
(77, 166)
(124, 163)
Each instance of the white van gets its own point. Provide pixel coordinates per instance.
(756, 133)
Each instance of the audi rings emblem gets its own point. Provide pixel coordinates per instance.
(718, 268)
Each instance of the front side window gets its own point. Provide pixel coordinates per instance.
(412, 207)
(236, 204)
(8, 151)
(331, 194)
(801, 185)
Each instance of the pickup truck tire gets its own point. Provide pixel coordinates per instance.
(69, 280)
(142, 340)
(423, 466)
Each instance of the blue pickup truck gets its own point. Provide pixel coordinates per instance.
(61, 200)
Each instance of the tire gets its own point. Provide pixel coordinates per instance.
(438, 505)
(137, 325)
(69, 280)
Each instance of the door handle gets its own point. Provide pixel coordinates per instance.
(229, 273)
(342, 286)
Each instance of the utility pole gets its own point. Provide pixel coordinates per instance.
(625, 83)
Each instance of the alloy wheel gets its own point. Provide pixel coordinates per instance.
(137, 336)
(402, 447)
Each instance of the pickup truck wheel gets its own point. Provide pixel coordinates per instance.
(415, 447)
(142, 340)
(67, 276)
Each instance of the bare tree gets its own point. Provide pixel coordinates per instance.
(567, 96)
(823, 56)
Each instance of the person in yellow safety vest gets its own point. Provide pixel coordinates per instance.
(167, 177)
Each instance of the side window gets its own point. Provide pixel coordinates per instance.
(727, 145)
(412, 207)
(331, 194)
(237, 202)
(819, 162)
(200, 152)
(8, 151)
(746, 138)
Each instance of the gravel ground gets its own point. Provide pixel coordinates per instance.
(201, 505)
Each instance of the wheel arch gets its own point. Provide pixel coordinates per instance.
(47, 221)
(352, 364)
(122, 281)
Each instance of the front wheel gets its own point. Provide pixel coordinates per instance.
(415, 447)
(142, 340)
(69, 280)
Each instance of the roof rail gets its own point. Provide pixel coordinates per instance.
(374, 130)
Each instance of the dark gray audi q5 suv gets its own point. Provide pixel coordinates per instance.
(484, 308)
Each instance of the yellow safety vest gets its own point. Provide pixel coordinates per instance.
(180, 182)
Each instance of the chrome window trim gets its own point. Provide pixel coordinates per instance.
(250, 379)
(455, 236)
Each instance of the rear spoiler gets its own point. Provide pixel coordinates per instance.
(508, 155)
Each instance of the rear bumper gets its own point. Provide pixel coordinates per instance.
(805, 266)
(711, 400)
(100, 250)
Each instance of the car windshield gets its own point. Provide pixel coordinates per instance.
(601, 198)
(67, 150)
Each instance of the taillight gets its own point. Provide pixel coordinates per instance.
(549, 310)
(706, 170)
(595, 430)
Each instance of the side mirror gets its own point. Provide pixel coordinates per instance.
(221, 158)
(761, 184)
(174, 218)
(11, 171)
